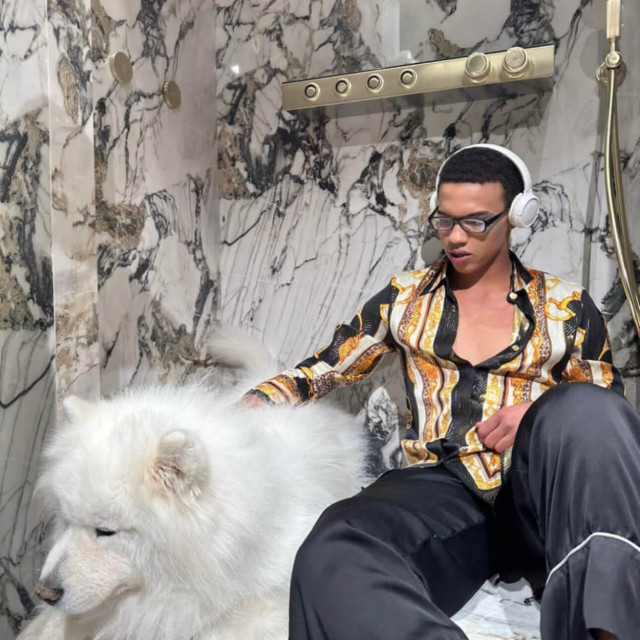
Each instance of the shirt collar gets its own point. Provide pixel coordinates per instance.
(437, 275)
(520, 275)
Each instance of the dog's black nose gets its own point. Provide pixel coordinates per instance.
(48, 594)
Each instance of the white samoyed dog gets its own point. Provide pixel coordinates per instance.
(177, 515)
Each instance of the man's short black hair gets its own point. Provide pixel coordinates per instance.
(482, 165)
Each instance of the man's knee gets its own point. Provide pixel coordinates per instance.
(569, 395)
(578, 415)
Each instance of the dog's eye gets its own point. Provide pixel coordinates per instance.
(104, 532)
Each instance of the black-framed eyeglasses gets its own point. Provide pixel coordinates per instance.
(440, 222)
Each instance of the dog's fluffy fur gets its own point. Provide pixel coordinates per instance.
(177, 515)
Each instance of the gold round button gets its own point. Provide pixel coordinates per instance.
(512, 296)
(477, 66)
(408, 77)
(514, 347)
(515, 61)
(172, 94)
(121, 68)
(312, 91)
(374, 82)
(343, 86)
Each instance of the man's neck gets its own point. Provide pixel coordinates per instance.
(496, 277)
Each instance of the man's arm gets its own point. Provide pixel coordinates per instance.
(354, 351)
(591, 359)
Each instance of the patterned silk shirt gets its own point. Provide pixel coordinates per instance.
(559, 336)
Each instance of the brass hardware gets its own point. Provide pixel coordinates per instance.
(477, 66)
(513, 296)
(459, 77)
(172, 94)
(612, 69)
(613, 60)
(515, 62)
(343, 86)
(375, 82)
(602, 73)
(312, 91)
(613, 19)
(121, 68)
(408, 78)
(616, 206)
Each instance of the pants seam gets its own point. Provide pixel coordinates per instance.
(585, 542)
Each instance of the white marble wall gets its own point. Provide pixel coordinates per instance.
(108, 229)
(317, 214)
(73, 221)
(158, 227)
(26, 297)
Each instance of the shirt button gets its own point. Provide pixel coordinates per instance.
(512, 296)
(514, 347)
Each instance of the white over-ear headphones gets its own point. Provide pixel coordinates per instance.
(524, 208)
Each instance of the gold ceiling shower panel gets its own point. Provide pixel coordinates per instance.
(523, 69)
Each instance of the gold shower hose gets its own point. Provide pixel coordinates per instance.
(614, 69)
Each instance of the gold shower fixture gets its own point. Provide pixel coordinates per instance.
(522, 69)
(611, 73)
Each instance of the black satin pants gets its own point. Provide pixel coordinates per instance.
(397, 560)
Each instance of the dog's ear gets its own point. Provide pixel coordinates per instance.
(76, 409)
(180, 465)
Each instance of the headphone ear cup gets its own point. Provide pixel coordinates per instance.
(524, 210)
(433, 201)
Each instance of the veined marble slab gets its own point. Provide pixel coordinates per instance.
(155, 184)
(27, 387)
(501, 612)
(27, 407)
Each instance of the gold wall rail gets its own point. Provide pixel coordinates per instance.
(531, 68)
(611, 73)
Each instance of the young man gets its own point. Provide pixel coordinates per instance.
(488, 348)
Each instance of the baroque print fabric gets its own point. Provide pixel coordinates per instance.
(559, 336)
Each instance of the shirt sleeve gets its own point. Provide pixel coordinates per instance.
(354, 351)
(591, 358)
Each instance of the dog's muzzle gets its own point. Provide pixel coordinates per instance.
(48, 594)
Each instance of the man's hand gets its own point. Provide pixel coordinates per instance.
(251, 400)
(499, 431)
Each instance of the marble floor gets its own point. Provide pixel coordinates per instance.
(501, 612)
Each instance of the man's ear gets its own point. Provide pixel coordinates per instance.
(179, 466)
(76, 409)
